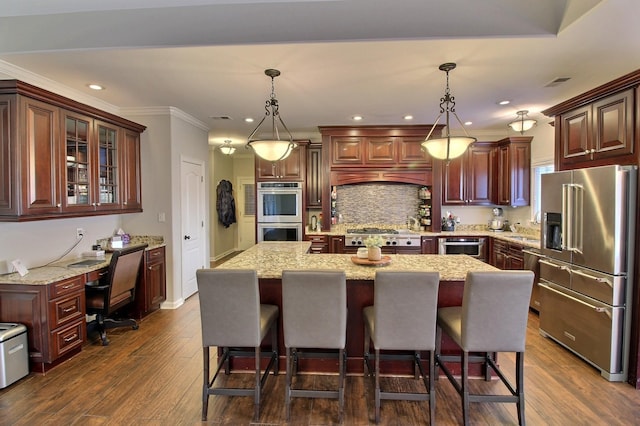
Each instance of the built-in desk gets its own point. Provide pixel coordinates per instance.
(271, 258)
(50, 302)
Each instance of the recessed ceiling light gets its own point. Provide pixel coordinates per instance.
(408, 117)
(95, 87)
(357, 118)
(468, 123)
(248, 120)
(505, 102)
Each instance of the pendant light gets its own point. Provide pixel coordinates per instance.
(448, 146)
(226, 148)
(271, 147)
(522, 123)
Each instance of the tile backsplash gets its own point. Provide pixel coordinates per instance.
(377, 202)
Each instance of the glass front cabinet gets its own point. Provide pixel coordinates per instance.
(92, 180)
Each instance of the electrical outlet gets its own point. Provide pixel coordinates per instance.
(79, 233)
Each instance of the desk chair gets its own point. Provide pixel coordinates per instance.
(403, 318)
(114, 291)
(232, 318)
(493, 318)
(314, 317)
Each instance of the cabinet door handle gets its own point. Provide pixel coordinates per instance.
(70, 309)
(71, 338)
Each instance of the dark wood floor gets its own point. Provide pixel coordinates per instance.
(152, 376)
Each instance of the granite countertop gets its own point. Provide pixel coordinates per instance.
(271, 258)
(61, 270)
(526, 236)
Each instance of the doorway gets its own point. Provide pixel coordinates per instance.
(193, 230)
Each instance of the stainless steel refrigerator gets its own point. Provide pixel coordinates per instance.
(586, 275)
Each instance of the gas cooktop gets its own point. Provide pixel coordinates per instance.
(371, 231)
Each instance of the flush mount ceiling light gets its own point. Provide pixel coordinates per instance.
(522, 123)
(271, 147)
(226, 148)
(447, 146)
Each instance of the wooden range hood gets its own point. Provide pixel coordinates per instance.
(347, 177)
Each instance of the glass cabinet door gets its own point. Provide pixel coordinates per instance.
(78, 161)
(108, 161)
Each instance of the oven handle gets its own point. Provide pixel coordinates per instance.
(461, 243)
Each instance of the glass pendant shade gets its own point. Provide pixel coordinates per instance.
(227, 149)
(447, 146)
(272, 148)
(522, 124)
(437, 148)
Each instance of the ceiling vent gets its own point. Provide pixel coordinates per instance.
(557, 81)
(221, 117)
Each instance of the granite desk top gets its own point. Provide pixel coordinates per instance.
(271, 258)
(61, 270)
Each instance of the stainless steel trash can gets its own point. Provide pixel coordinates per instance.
(14, 353)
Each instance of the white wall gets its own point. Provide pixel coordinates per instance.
(170, 136)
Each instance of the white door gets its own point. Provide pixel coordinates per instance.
(246, 212)
(193, 236)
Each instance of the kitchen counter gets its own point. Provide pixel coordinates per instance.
(526, 238)
(271, 258)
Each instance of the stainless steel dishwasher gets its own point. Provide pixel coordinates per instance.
(531, 263)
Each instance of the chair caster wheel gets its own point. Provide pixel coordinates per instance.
(135, 327)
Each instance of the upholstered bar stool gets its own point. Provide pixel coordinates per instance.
(403, 318)
(492, 318)
(314, 316)
(232, 318)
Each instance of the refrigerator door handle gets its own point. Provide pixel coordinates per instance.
(578, 220)
(554, 265)
(591, 277)
(566, 232)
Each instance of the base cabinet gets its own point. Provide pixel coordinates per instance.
(152, 288)
(54, 315)
(319, 243)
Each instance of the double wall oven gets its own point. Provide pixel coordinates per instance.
(279, 208)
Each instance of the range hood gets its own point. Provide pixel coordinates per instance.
(346, 177)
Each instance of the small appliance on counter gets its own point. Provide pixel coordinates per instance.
(498, 223)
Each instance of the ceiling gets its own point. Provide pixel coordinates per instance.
(338, 58)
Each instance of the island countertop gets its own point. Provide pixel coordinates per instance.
(269, 259)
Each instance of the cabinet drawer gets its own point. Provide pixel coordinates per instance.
(64, 310)
(317, 238)
(66, 286)
(67, 338)
(155, 255)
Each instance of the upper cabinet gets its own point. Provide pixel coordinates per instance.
(61, 158)
(598, 127)
(314, 176)
(514, 170)
(468, 179)
(291, 168)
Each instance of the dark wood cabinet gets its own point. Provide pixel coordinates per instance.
(314, 176)
(54, 315)
(291, 168)
(429, 245)
(514, 171)
(61, 158)
(468, 179)
(319, 243)
(337, 244)
(151, 290)
(506, 255)
(346, 151)
(598, 133)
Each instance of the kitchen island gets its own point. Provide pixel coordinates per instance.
(269, 259)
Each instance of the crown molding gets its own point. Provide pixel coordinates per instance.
(165, 110)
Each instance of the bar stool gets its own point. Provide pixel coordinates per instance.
(492, 318)
(314, 315)
(403, 318)
(232, 317)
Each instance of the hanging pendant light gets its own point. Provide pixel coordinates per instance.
(448, 146)
(226, 148)
(522, 123)
(271, 147)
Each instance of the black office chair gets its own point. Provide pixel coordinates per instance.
(114, 291)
